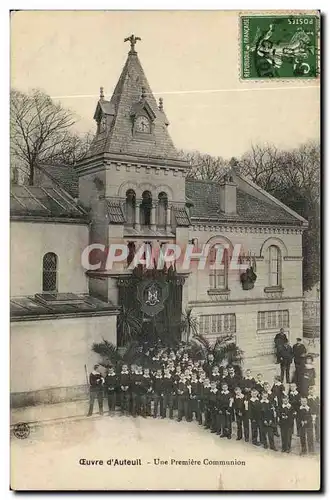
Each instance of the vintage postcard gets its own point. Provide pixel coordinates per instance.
(165, 250)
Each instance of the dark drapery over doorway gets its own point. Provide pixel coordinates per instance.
(165, 325)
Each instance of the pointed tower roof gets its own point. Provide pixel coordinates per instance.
(131, 98)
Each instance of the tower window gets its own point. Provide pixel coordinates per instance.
(162, 208)
(130, 206)
(146, 206)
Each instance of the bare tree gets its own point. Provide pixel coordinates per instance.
(41, 132)
(261, 164)
(204, 166)
(293, 177)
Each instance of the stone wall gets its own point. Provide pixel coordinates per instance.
(48, 358)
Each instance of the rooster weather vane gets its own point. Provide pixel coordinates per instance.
(132, 39)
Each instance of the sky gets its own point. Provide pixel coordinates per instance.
(191, 59)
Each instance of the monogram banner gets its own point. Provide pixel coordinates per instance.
(152, 294)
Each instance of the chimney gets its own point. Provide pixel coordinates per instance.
(228, 195)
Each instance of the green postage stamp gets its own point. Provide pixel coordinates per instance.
(279, 46)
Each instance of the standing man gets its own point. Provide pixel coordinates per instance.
(279, 340)
(95, 390)
(285, 357)
(299, 352)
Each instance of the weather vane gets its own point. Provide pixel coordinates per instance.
(132, 39)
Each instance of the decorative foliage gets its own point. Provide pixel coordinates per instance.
(224, 350)
(188, 325)
(112, 355)
(129, 325)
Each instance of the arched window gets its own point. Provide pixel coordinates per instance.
(162, 209)
(274, 259)
(146, 206)
(219, 277)
(130, 207)
(49, 272)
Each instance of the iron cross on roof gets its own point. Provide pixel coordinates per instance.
(132, 39)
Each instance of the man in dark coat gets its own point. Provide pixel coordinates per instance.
(96, 382)
(285, 357)
(299, 352)
(279, 340)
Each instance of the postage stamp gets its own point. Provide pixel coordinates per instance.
(279, 46)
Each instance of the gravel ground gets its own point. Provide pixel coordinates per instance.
(49, 458)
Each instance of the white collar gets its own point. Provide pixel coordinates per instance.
(146, 376)
(239, 396)
(224, 392)
(167, 376)
(294, 393)
(248, 378)
(124, 373)
(264, 401)
(158, 376)
(286, 406)
(254, 399)
(96, 373)
(278, 383)
(304, 408)
(214, 390)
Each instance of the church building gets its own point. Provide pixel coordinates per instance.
(133, 188)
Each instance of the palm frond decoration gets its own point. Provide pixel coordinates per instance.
(129, 325)
(107, 351)
(188, 324)
(196, 351)
(202, 340)
(132, 353)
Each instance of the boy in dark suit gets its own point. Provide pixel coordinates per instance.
(225, 411)
(305, 427)
(240, 411)
(254, 416)
(124, 384)
(111, 386)
(313, 402)
(285, 421)
(95, 390)
(267, 418)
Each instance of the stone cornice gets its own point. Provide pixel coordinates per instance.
(37, 317)
(293, 257)
(233, 302)
(243, 228)
(120, 161)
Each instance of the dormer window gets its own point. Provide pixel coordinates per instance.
(142, 124)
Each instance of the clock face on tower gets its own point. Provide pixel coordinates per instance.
(142, 124)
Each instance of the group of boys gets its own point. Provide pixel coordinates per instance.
(216, 396)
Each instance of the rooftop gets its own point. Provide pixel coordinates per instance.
(44, 203)
(47, 306)
(205, 197)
